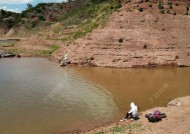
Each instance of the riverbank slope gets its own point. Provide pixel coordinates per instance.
(139, 34)
(177, 121)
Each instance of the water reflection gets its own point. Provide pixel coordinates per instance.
(39, 97)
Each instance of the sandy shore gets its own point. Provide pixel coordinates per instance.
(177, 121)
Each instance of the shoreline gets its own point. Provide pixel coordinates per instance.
(37, 47)
(176, 110)
(172, 107)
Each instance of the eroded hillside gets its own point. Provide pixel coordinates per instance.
(141, 33)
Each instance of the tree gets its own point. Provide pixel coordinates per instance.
(29, 6)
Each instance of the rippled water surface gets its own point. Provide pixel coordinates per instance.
(39, 97)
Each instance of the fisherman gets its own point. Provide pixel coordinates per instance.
(64, 61)
(133, 113)
(65, 57)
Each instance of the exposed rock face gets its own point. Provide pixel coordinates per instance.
(149, 38)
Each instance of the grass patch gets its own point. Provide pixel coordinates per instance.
(52, 48)
(135, 126)
(57, 29)
(7, 45)
(118, 129)
(88, 18)
(11, 51)
(101, 132)
(43, 53)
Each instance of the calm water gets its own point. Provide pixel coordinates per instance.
(39, 97)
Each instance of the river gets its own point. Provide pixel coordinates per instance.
(39, 97)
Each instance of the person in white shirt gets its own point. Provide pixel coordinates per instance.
(133, 113)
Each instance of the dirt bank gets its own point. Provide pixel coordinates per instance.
(134, 38)
(177, 121)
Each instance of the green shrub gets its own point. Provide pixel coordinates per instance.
(170, 6)
(174, 13)
(160, 5)
(170, 3)
(162, 11)
(150, 5)
(119, 5)
(127, 1)
(101, 132)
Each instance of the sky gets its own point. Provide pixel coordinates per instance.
(20, 5)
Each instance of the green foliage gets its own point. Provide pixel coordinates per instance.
(118, 129)
(97, 1)
(170, 6)
(41, 18)
(162, 11)
(170, 3)
(9, 19)
(88, 17)
(160, 5)
(57, 29)
(52, 48)
(127, 1)
(174, 13)
(101, 132)
(11, 51)
(134, 126)
(29, 6)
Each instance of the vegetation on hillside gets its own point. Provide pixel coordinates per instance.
(9, 19)
(87, 18)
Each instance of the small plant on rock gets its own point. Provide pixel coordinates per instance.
(174, 13)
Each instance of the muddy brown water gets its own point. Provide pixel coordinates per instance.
(39, 97)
